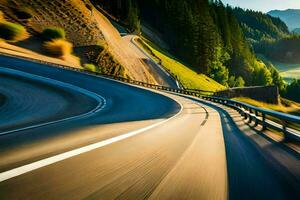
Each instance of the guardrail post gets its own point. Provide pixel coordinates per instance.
(245, 113)
(284, 129)
(264, 124)
(256, 118)
(250, 117)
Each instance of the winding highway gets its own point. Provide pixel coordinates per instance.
(161, 76)
(69, 135)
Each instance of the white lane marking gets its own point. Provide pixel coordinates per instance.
(54, 159)
(101, 101)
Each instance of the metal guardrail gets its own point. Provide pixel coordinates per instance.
(288, 124)
(197, 93)
(268, 119)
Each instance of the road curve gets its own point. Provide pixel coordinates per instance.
(29, 102)
(161, 76)
(142, 145)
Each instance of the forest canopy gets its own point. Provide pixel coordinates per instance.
(207, 35)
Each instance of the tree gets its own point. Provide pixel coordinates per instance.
(292, 91)
(206, 35)
(133, 16)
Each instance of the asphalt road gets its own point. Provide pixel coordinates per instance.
(139, 144)
(28, 102)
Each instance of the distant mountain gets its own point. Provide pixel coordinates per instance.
(296, 30)
(291, 17)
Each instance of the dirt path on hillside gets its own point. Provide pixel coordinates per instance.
(136, 69)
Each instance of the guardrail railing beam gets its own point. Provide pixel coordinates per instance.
(259, 116)
(240, 107)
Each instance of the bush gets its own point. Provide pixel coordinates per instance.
(12, 32)
(53, 33)
(2, 19)
(236, 82)
(58, 47)
(90, 67)
(22, 13)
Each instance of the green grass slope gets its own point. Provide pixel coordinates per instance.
(188, 78)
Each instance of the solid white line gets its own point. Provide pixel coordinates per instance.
(101, 101)
(54, 159)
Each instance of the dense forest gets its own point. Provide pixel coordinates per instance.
(258, 26)
(269, 36)
(286, 50)
(125, 10)
(204, 34)
(212, 38)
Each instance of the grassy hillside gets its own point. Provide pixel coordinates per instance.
(85, 28)
(188, 77)
(72, 15)
(75, 19)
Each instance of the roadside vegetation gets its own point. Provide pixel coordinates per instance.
(53, 33)
(58, 47)
(55, 43)
(22, 13)
(187, 77)
(12, 32)
(2, 17)
(97, 58)
(90, 67)
(66, 30)
(73, 15)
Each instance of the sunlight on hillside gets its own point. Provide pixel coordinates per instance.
(285, 106)
(185, 75)
(286, 70)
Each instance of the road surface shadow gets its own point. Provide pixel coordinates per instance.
(253, 172)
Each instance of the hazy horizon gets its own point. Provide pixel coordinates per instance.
(264, 6)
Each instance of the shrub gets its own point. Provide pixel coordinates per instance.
(53, 33)
(58, 47)
(23, 13)
(12, 32)
(2, 19)
(90, 67)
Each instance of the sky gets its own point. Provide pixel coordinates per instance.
(264, 5)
